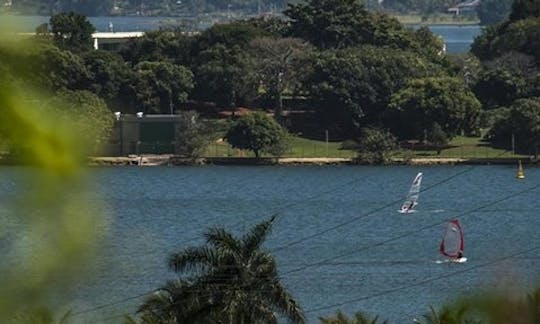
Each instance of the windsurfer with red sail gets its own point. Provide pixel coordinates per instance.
(452, 243)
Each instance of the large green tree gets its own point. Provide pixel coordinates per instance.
(159, 45)
(519, 36)
(224, 76)
(280, 66)
(493, 11)
(111, 79)
(521, 121)
(256, 132)
(351, 88)
(522, 9)
(221, 64)
(47, 67)
(162, 87)
(343, 23)
(86, 112)
(446, 101)
(228, 280)
(72, 31)
(498, 87)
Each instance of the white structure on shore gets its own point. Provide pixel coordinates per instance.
(114, 38)
(465, 6)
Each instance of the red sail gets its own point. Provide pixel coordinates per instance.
(452, 242)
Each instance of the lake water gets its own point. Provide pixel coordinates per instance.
(373, 249)
(458, 38)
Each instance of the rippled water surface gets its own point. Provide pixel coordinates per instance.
(362, 254)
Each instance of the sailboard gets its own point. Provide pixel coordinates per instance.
(412, 197)
(452, 243)
(520, 173)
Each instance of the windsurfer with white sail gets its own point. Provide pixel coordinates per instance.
(412, 197)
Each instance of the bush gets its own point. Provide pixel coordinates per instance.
(375, 146)
(192, 136)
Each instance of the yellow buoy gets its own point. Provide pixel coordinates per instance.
(520, 173)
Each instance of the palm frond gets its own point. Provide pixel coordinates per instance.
(194, 259)
(285, 303)
(129, 320)
(64, 319)
(223, 240)
(256, 236)
(228, 280)
(432, 317)
(359, 318)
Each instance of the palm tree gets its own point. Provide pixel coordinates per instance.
(229, 280)
(488, 307)
(359, 318)
(450, 314)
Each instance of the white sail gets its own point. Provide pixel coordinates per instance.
(412, 197)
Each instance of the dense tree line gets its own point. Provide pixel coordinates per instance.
(347, 63)
(508, 81)
(356, 69)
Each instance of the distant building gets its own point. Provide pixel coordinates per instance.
(112, 40)
(465, 7)
(142, 134)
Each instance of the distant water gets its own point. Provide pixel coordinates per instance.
(458, 39)
(156, 211)
(120, 24)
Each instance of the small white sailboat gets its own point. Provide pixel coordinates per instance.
(452, 243)
(412, 197)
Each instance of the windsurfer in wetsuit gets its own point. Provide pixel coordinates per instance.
(410, 207)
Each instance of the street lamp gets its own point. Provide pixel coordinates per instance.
(118, 116)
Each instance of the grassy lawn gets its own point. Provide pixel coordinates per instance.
(461, 147)
(465, 147)
(300, 147)
(303, 147)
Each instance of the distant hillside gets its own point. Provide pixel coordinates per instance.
(193, 7)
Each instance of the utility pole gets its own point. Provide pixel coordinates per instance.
(513, 145)
(326, 137)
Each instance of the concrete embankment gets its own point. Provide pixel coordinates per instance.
(154, 160)
(171, 160)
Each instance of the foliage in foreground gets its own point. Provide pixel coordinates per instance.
(48, 232)
(488, 308)
(228, 280)
(359, 318)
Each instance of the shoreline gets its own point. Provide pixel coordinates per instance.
(171, 160)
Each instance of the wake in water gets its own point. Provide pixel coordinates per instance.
(437, 211)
